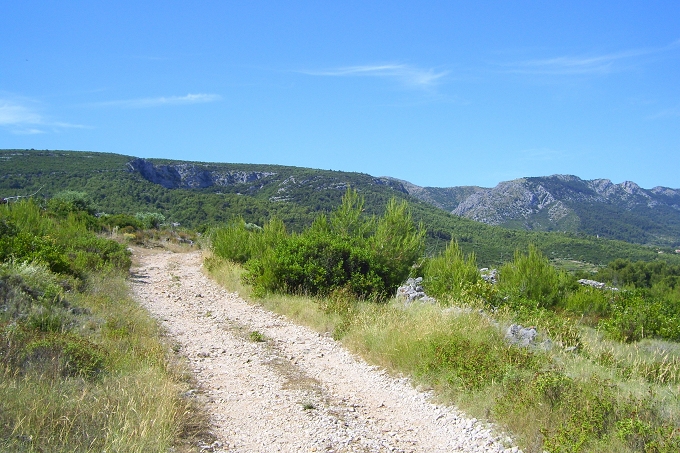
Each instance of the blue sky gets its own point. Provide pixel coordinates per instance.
(437, 93)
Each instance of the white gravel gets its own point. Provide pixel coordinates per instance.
(297, 390)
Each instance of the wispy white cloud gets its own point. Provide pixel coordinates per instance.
(29, 131)
(19, 118)
(408, 75)
(585, 64)
(162, 101)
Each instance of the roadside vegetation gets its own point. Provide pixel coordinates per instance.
(603, 374)
(82, 367)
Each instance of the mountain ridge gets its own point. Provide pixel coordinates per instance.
(200, 195)
(567, 203)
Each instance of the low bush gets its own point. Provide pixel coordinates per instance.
(65, 245)
(150, 219)
(450, 274)
(472, 363)
(636, 315)
(241, 241)
(532, 277)
(370, 257)
(71, 201)
(318, 264)
(592, 303)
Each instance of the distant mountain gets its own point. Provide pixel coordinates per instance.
(567, 203)
(199, 195)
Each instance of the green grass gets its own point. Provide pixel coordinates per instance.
(604, 397)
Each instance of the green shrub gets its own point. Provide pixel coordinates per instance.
(150, 219)
(31, 292)
(473, 362)
(89, 252)
(317, 264)
(53, 354)
(397, 243)
(71, 201)
(241, 241)
(572, 414)
(26, 247)
(64, 355)
(348, 221)
(645, 436)
(233, 243)
(637, 314)
(121, 222)
(370, 257)
(590, 302)
(533, 278)
(65, 245)
(451, 274)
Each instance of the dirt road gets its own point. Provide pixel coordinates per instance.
(295, 391)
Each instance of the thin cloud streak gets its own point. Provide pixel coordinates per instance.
(162, 101)
(575, 65)
(408, 75)
(20, 119)
(14, 114)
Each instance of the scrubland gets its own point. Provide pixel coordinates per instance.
(601, 376)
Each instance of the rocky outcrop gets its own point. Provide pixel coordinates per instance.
(192, 176)
(509, 200)
(489, 275)
(595, 284)
(521, 336)
(413, 291)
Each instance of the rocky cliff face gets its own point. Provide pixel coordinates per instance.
(191, 176)
(284, 184)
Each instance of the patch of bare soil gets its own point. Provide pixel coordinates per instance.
(273, 386)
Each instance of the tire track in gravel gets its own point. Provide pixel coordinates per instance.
(297, 390)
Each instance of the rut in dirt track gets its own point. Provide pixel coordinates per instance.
(297, 390)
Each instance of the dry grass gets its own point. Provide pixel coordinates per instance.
(134, 406)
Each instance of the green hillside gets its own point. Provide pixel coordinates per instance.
(203, 194)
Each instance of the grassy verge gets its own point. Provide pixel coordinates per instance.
(82, 367)
(602, 397)
(108, 384)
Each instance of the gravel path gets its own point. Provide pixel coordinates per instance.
(296, 391)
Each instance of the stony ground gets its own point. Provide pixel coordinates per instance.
(294, 390)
